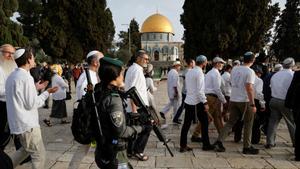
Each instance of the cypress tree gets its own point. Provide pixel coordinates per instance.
(30, 12)
(287, 38)
(11, 32)
(226, 28)
(54, 29)
(75, 28)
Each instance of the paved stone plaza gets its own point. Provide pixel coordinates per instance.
(60, 148)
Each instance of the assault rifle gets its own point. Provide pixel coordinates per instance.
(90, 90)
(151, 116)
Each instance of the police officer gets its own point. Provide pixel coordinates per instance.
(111, 147)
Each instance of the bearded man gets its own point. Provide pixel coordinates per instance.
(7, 65)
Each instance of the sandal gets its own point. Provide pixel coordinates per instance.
(47, 122)
(141, 156)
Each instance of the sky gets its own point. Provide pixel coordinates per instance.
(124, 11)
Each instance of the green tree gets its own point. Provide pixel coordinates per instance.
(54, 29)
(135, 37)
(11, 32)
(228, 28)
(30, 12)
(75, 28)
(287, 38)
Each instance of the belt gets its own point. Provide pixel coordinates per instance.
(211, 94)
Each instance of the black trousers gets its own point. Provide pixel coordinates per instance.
(297, 134)
(140, 143)
(180, 109)
(192, 112)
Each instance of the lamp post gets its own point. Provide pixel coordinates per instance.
(129, 39)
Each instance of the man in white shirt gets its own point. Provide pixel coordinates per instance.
(226, 89)
(22, 109)
(259, 103)
(213, 92)
(280, 82)
(7, 65)
(190, 65)
(195, 105)
(173, 90)
(93, 61)
(135, 77)
(242, 104)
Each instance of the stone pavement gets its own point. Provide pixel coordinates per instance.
(60, 148)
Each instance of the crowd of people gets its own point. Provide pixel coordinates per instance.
(245, 94)
(248, 95)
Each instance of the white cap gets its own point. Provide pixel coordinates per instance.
(176, 63)
(91, 53)
(19, 53)
(218, 60)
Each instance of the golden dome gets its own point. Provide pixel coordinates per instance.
(157, 23)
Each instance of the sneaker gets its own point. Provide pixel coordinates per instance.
(219, 146)
(250, 150)
(208, 147)
(269, 146)
(196, 139)
(185, 149)
(162, 115)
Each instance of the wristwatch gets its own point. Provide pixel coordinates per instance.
(252, 105)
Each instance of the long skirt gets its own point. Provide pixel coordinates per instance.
(59, 109)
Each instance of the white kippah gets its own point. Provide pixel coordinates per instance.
(91, 53)
(19, 53)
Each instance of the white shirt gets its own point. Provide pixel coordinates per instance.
(135, 77)
(240, 76)
(22, 101)
(280, 83)
(213, 81)
(82, 83)
(226, 84)
(58, 81)
(173, 81)
(258, 88)
(194, 80)
(2, 85)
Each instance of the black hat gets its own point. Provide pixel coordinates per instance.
(257, 69)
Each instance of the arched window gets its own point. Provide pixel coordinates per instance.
(156, 55)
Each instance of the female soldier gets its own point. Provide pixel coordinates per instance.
(111, 147)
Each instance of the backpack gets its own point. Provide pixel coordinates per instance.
(5, 161)
(81, 127)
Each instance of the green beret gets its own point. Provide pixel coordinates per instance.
(112, 61)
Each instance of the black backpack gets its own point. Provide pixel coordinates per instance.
(5, 161)
(81, 127)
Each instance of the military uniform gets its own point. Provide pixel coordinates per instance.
(111, 149)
